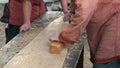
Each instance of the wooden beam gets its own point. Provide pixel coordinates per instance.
(74, 58)
(8, 51)
(36, 54)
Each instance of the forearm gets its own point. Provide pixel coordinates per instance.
(27, 7)
(79, 21)
(64, 5)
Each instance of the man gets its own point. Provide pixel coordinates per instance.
(22, 13)
(101, 19)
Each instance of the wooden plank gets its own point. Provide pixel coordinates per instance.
(36, 54)
(20, 41)
(74, 58)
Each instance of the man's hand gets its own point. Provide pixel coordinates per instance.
(55, 37)
(67, 17)
(25, 27)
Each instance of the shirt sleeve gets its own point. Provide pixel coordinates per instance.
(82, 11)
(72, 7)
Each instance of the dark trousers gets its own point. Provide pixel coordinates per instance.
(112, 64)
(11, 31)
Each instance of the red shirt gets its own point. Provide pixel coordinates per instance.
(16, 11)
(102, 20)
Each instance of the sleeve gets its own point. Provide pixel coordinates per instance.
(84, 10)
(72, 7)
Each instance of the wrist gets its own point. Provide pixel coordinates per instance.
(27, 23)
(65, 11)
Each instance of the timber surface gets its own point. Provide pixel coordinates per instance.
(36, 54)
(8, 51)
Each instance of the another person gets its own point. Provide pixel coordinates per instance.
(101, 19)
(22, 13)
(64, 4)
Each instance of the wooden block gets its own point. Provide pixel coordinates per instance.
(56, 47)
(65, 25)
(36, 54)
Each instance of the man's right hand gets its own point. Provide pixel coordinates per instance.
(67, 17)
(55, 37)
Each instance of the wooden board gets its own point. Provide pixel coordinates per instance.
(36, 53)
(8, 51)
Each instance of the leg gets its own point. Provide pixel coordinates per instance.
(5, 16)
(11, 31)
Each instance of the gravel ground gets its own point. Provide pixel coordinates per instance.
(1, 9)
(2, 34)
(2, 27)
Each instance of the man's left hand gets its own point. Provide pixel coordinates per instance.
(25, 27)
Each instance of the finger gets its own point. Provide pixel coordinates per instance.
(22, 29)
(25, 29)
